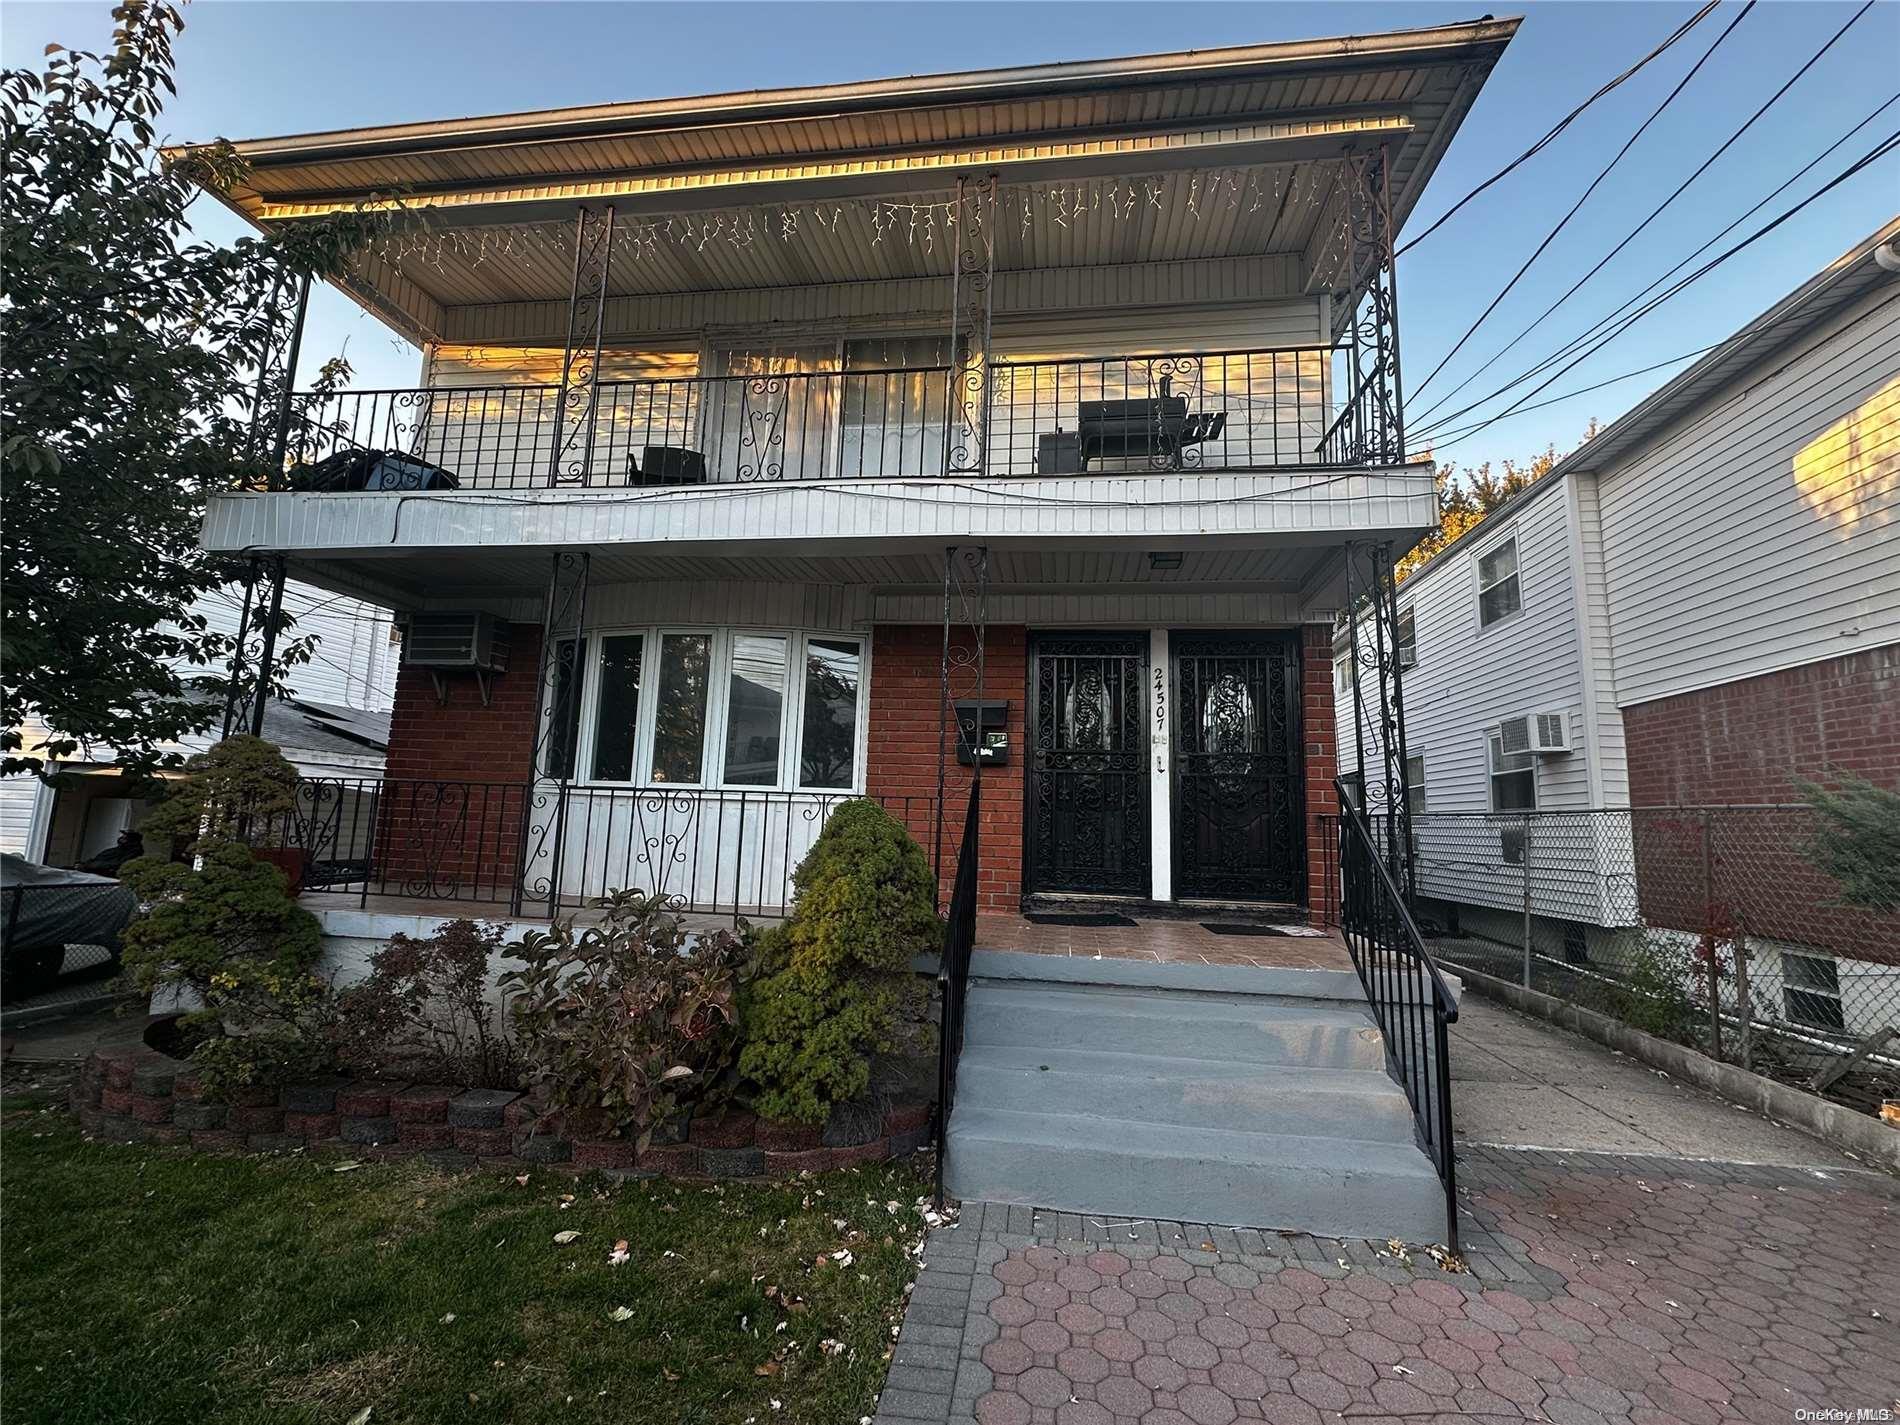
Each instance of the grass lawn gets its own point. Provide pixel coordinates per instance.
(145, 1285)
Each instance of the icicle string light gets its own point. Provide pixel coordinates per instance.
(927, 226)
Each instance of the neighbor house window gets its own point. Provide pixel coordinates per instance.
(1498, 593)
(1513, 789)
(679, 730)
(1407, 640)
(1811, 990)
(828, 749)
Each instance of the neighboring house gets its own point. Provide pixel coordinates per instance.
(1697, 608)
(334, 723)
(712, 385)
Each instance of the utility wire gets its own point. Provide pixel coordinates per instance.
(1564, 221)
(1562, 124)
(1653, 214)
(1874, 155)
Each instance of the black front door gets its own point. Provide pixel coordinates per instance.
(1087, 829)
(1239, 829)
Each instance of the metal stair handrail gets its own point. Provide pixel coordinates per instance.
(1395, 968)
(953, 975)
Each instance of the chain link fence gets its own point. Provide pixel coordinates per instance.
(1711, 926)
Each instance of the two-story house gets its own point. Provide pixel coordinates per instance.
(1698, 608)
(776, 448)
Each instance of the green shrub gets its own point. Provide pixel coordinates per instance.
(837, 975)
(1856, 840)
(222, 930)
(628, 1020)
(424, 1011)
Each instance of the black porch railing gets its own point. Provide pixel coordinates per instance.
(1410, 998)
(953, 973)
(1246, 410)
(495, 844)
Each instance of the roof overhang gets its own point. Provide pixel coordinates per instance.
(1293, 110)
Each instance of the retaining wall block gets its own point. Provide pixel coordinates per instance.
(484, 1142)
(601, 1154)
(422, 1103)
(313, 1126)
(670, 1159)
(736, 1129)
(195, 1114)
(425, 1135)
(481, 1108)
(369, 1130)
(154, 1080)
(747, 1162)
(318, 1096)
(151, 1110)
(254, 1118)
(789, 1137)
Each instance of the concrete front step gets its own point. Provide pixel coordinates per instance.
(1171, 1023)
(1325, 1186)
(1230, 1094)
(1231, 1098)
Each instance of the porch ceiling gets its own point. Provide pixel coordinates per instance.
(1264, 124)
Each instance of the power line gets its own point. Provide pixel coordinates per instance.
(1562, 124)
(1564, 221)
(1799, 315)
(1872, 156)
(1653, 214)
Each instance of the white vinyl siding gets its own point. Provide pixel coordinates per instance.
(18, 795)
(1760, 534)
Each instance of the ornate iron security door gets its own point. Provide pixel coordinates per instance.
(1238, 798)
(1088, 765)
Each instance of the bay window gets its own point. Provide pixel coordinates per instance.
(711, 708)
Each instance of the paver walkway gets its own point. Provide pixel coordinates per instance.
(1749, 1274)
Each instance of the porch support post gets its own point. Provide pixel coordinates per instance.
(266, 645)
(571, 462)
(1160, 735)
(1374, 421)
(966, 572)
(554, 748)
(972, 281)
(1372, 614)
(236, 705)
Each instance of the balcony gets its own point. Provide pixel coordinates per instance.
(1264, 410)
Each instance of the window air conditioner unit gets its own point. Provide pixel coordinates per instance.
(458, 642)
(1542, 734)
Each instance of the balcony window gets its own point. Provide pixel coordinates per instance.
(755, 710)
(1499, 595)
(828, 751)
(617, 719)
(679, 733)
(743, 709)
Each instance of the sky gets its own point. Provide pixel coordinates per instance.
(258, 69)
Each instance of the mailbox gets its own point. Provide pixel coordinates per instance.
(983, 728)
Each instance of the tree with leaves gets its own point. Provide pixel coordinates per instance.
(1466, 497)
(136, 376)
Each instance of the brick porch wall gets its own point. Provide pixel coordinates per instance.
(906, 696)
(449, 831)
(1322, 760)
(1748, 741)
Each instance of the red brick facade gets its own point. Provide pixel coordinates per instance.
(1322, 764)
(906, 702)
(1748, 741)
(469, 830)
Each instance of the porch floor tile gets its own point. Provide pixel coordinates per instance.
(1167, 941)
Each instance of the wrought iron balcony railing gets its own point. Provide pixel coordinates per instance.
(494, 845)
(1256, 410)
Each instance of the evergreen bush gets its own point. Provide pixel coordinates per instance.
(837, 974)
(221, 931)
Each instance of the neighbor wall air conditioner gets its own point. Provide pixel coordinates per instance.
(1541, 733)
(459, 642)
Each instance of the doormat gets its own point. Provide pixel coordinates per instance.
(1230, 927)
(1076, 918)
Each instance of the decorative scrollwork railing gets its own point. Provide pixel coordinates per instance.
(490, 843)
